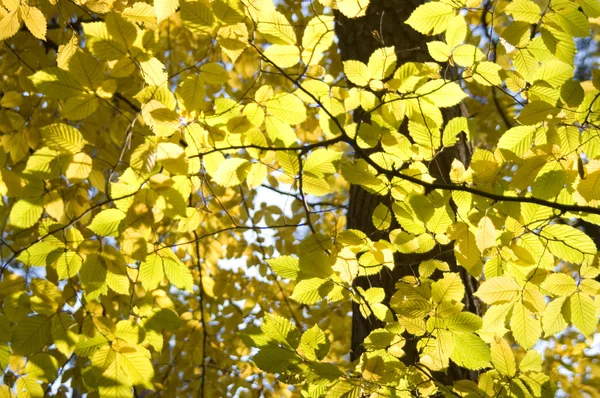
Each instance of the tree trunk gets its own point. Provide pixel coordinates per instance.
(382, 26)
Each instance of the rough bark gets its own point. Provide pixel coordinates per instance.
(383, 25)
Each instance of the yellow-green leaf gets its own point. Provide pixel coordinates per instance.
(431, 18)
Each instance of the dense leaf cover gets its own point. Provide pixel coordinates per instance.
(175, 180)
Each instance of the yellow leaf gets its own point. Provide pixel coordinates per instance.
(80, 167)
(197, 17)
(229, 12)
(284, 56)
(213, 73)
(486, 234)
(165, 8)
(352, 8)
(553, 320)
(288, 108)
(276, 28)
(583, 313)
(153, 72)
(525, 327)
(26, 212)
(559, 284)
(87, 70)
(9, 24)
(318, 37)
(456, 32)
(442, 93)
(106, 223)
(143, 13)
(449, 288)
(34, 20)
(431, 18)
(152, 272)
(80, 106)
(63, 137)
(231, 172)
(569, 244)
(56, 83)
(256, 175)
(470, 351)
(498, 290)
(438, 50)
(525, 11)
(503, 358)
(382, 63)
(66, 51)
(68, 264)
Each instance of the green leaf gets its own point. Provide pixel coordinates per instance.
(463, 322)
(573, 22)
(106, 223)
(197, 17)
(536, 112)
(314, 344)
(31, 335)
(470, 351)
(280, 330)
(285, 266)
(275, 359)
(518, 139)
(37, 254)
(56, 83)
(26, 212)
(68, 264)
(431, 18)
(311, 291)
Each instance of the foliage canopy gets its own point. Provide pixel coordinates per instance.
(175, 180)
